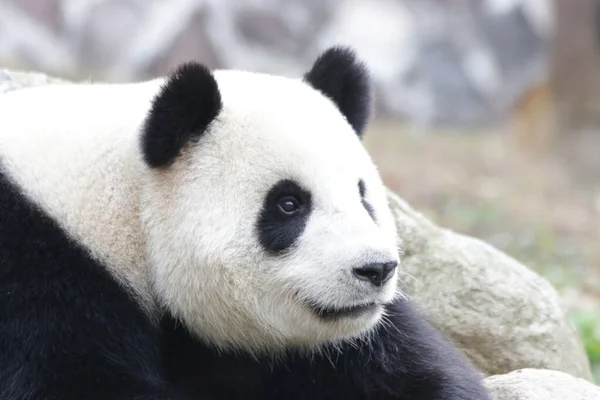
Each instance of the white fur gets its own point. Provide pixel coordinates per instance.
(74, 149)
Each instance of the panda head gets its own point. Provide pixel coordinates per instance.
(266, 221)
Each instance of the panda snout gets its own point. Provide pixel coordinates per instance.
(377, 273)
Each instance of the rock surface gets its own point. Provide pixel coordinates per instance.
(434, 61)
(500, 313)
(533, 384)
(13, 80)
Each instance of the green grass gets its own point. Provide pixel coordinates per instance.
(589, 327)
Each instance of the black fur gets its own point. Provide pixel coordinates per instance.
(362, 189)
(277, 231)
(406, 360)
(188, 102)
(68, 331)
(338, 75)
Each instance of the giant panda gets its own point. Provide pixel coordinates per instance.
(206, 235)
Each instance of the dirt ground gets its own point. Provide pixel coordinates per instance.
(542, 210)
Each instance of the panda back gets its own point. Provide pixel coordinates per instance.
(72, 150)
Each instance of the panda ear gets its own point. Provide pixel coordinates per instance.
(338, 75)
(186, 104)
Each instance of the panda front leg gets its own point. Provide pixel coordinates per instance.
(404, 358)
(51, 350)
(75, 351)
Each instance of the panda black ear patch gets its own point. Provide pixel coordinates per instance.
(186, 104)
(338, 75)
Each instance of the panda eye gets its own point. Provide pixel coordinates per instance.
(288, 205)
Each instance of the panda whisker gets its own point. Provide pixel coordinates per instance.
(393, 326)
(406, 274)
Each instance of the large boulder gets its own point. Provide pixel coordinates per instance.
(534, 384)
(501, 314)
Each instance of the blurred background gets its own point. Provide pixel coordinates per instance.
(487, 111)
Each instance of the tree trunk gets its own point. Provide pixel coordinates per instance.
(575, 63)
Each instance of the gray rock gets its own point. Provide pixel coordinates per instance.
(12, 80)
(500, 313)
(535, 384)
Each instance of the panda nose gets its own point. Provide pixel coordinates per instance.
(376, 273)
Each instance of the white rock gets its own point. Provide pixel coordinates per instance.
(12, 80)
(535, 384)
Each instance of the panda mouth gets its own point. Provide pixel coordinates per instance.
(344, 312)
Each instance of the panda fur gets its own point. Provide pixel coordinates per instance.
(208, 235)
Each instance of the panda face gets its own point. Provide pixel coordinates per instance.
(271, 229)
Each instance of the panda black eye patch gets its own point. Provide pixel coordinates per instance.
(283, 216)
